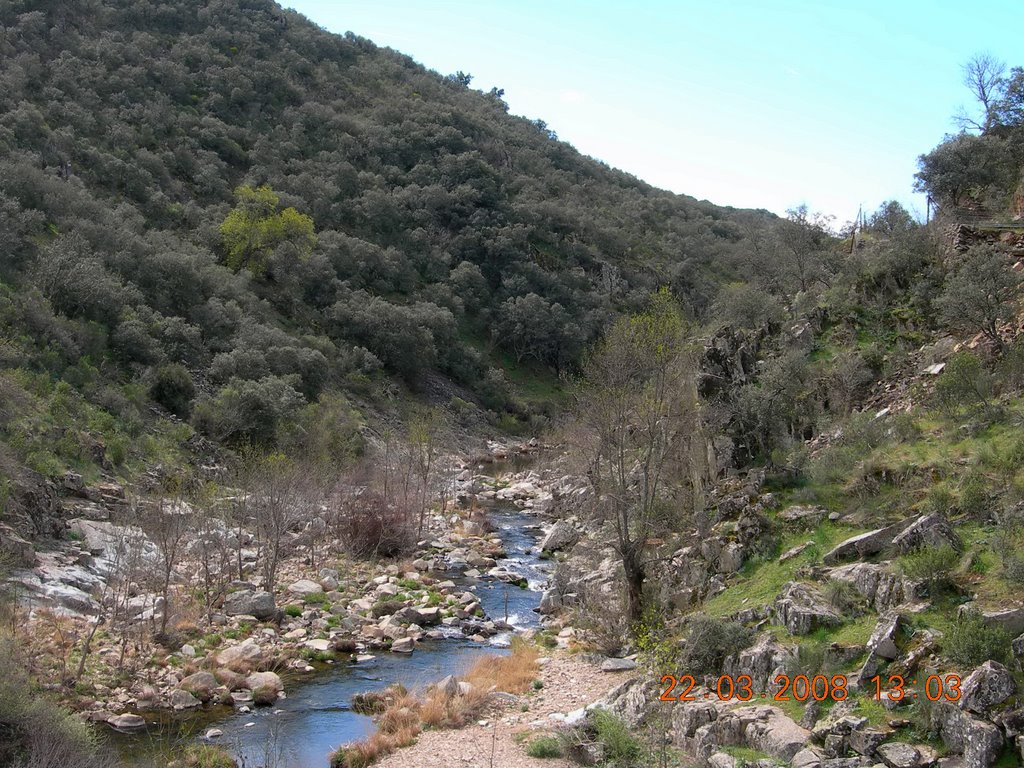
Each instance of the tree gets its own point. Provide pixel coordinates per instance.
(964, 167)
(643, 439)
(983, 75)
(255, 229)
(981, 293)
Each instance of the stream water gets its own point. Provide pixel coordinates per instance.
(302, 729)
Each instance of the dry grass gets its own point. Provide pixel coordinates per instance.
(405, 715)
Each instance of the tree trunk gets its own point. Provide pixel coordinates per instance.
(634, 569)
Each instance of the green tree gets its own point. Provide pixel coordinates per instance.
(981, 293)
(255, 229)
(642, 438)
(964, 167)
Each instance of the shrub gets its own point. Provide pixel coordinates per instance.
(709, 641)
(372, 527)
(844, 597)
(620, 748)
(208, 756)
(294, 610)
(971, 641)
(933, 566)
(544, 747)
(172, 387)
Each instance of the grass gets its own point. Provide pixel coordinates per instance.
(760, 581)
(545, 747)
(403, 715)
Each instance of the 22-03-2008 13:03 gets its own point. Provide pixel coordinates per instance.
(804, 687)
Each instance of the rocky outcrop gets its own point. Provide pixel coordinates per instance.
(979, 741)
(801, 608)
(863, 545)
(877, 583)
(762, 662)
(987, 686)
(562, 535)
(932, 530)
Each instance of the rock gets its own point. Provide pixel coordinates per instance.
(428, 616)
(247, 602)
(180, 699)
(987, 686)
(201, 685)
(888, 637)
(1010, 620)
(617, 665)
(15, 550)
(126, 722)
(979, 741)
(265, 687)
(866, 740)
(862, 545)
(403, 645)
(214, 733)
(802, 609)
(241, 657)
(879, 585)
(449, 686)
(550, 602)
(304, 587)
(762, 661)
(793, 552)
(465, 688)
(803, 515)
(899, 755)
(721, 760)
(562, 535)
(773, 732)
(931, 530)
(806, 758)
(328, 584)
(319, 644)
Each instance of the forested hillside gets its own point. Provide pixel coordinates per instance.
(222, 209)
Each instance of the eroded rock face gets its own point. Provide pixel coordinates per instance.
(562, 535)
(877, 583)
(862, 545)
(979, 741)
(987, 686)
(801, 608)
(932, 530)
(762, 661)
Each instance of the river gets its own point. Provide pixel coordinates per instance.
(301, 730)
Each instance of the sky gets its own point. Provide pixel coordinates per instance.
(768, 104)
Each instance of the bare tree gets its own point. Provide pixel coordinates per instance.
(167, 522)
(983, 75)
(644, 443)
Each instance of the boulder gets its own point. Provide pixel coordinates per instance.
(987, 686)
(15, 550)
(201, 685)
(773, 732)
(801, 608)
(979, 741)
(762, 661)
(888, 637)
(180, 699)
(806, 758)
(866, 740)
(931, 530)
(879, 585)
(550, 602)
(126, 722)
(242, 657)
(265, 687)
(403, 645)
(319, 644)
(449, 686)
(896, 754)
(563, 534)
(304, 587)
(862, 545)
(617, 665)
(247, 602)
(721, 760)
(803, 515)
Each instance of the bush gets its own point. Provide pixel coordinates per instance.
(710, 641)
(933, 566)
(293, 610)
(971, 641)
(620, 748)
(172, 387)
(372, 527)
(544, 747)
(844, 597)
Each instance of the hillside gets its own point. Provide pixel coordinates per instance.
(390, 226)
(310, 355)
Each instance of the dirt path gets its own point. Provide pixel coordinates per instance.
(569, 683)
